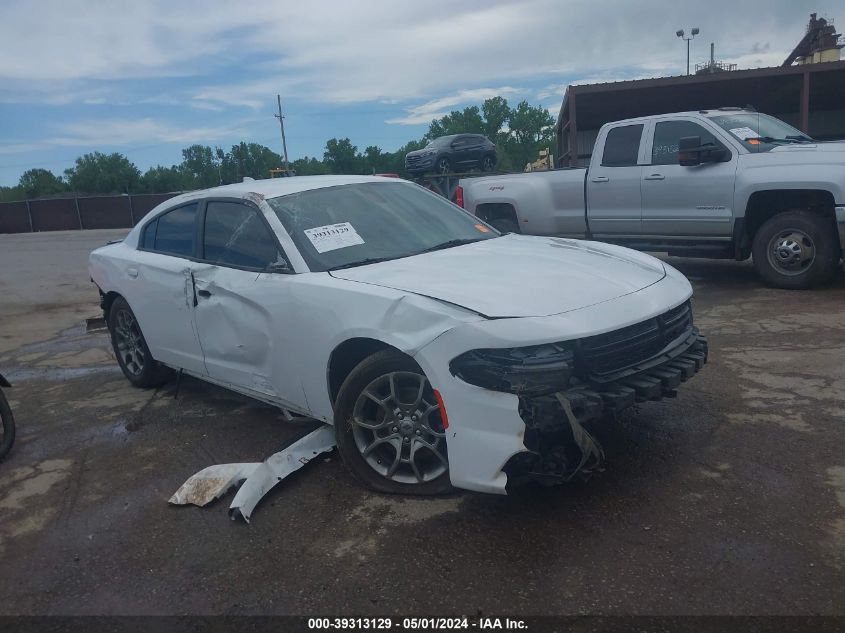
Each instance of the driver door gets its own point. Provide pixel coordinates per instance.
(681, 201)
(243, 312)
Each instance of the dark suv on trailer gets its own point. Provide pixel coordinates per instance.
(453, 153)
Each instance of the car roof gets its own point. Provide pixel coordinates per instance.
(275, 187)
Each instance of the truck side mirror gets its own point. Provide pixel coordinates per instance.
(689, 151)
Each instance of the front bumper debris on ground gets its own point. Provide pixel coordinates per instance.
(255, 479)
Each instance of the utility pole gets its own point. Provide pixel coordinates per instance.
(282, 126)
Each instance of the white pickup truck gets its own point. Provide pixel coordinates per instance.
(724, 183)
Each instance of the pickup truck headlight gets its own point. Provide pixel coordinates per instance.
(531, 371)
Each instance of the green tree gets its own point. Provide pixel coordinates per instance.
(164, 180)
(250, 159)
(466, 121)
(341, 156)
(40, 182)
(11, 194)
(103, 173)
(309, 167)
(497, 114)
(201, 166)
(376, 161)
(531, 129)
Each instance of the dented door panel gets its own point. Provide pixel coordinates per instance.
(158, 289)
(243, 326)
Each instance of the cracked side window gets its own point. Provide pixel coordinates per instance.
(234, 235)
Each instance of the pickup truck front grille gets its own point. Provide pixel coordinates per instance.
(599, 357)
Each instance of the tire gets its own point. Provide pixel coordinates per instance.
(796, 250)
(488, 163)
(369, 428)
(504, 225)
(443, 165)
(130, 348)
(7, 427)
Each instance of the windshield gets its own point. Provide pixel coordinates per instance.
(352, 224)
(760, 132)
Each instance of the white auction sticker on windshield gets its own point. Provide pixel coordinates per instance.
(743, 133)
(333, 236)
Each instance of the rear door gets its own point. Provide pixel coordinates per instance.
(160, 291)
(476, 149)
(686, 201)
(243, 315)
(614, 201)
(462, 150)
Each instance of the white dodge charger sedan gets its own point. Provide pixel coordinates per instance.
(444, 353)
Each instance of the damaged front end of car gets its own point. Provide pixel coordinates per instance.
(564, 387)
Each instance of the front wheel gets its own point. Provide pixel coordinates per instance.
(388, 427)
(796, 250)
(7, 426)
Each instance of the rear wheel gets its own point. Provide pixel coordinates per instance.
(388, 427)
(7, 426)
(130, 348)
(796, 250)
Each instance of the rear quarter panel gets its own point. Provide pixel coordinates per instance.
(545, 202)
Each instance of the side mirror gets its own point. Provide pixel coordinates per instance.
(689, 151)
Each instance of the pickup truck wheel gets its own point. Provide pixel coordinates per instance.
(130, 348)
(388, 427)
(795, 250)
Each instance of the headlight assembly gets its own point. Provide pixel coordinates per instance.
(534, 370)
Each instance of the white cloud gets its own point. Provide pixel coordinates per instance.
(101, 133)
(373, 50)
(436, 108)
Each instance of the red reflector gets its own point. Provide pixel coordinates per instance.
(459, 197)
(440, 404)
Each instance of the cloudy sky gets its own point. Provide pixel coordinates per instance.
(149, 77)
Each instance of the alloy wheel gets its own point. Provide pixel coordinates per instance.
(129, 343)
(791, 252)
(397, 428)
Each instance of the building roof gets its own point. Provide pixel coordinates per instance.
(748, 84)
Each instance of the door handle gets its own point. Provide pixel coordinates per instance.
(655, 177)
(132, 272)
(601, 179)
(204, 293)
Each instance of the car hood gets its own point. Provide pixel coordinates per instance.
(819, 146)
(421, 152)
(517, 275)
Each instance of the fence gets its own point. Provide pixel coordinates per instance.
(74, 214)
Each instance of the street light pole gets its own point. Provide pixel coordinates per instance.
(693, 32)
